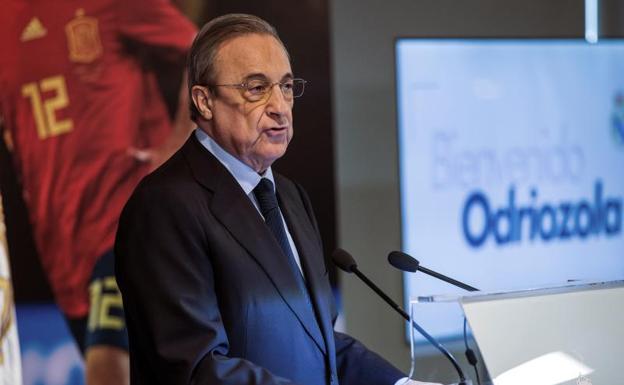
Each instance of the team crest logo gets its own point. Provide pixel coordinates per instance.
(83, 38)
(617, 119)
(582, 380)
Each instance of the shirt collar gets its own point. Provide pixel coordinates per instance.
(246, 177)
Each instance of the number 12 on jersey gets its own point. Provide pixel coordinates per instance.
(45, 108)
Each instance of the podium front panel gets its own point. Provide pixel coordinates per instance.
(568, 336)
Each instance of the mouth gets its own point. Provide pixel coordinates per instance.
(278, 130)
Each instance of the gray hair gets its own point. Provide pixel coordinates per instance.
(204, 50)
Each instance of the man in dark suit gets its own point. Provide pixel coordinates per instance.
(219, 259)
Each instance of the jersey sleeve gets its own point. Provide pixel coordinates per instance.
(156, 23)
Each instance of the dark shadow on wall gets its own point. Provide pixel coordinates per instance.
(29, 282)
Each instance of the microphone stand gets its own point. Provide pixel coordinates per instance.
(407, 263)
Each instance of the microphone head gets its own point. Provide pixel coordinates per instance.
(403, 261)
(344, 260)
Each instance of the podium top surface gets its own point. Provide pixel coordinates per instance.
(478, 296)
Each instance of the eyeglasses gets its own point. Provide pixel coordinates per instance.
(257, 89)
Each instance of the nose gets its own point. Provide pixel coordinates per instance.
(277, 104)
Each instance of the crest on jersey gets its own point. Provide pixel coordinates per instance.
(83, 38)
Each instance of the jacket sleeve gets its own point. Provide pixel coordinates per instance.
(358, 365)
(164, 270)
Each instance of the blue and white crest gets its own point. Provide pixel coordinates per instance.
(617, 119)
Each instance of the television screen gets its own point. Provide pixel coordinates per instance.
(511, 165)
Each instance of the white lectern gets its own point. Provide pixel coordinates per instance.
(572, 335)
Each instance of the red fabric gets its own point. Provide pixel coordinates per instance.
(76, 182)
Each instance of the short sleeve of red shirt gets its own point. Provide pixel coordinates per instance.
(155, 23)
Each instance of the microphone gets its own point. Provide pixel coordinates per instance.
(346, 263)
(406, 262)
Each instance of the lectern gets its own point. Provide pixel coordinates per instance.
(570, 335)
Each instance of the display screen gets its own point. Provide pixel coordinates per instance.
(511, 165)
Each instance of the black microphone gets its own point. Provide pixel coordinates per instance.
(346, 263)
(406, 262)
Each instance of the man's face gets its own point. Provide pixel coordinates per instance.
(256, 132)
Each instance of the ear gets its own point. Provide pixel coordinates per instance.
(202, 98)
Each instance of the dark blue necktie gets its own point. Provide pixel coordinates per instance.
(267, 200)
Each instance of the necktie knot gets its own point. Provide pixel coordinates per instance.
(265, 194)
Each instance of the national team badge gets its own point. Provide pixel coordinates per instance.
(83, 38)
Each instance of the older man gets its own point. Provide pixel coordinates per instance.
(219, 259)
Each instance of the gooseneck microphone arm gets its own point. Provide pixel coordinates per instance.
(406, 262)
(447, 279)
(346, 263)
(380, 293)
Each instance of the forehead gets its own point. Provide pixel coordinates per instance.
(250, 54)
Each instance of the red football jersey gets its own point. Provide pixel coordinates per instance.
(74, 97)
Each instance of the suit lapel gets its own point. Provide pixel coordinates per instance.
(230, 205)
(310, 254)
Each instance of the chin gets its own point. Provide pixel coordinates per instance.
(275, 152)
(279, 152)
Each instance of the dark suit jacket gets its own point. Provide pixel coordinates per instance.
(208, 295)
